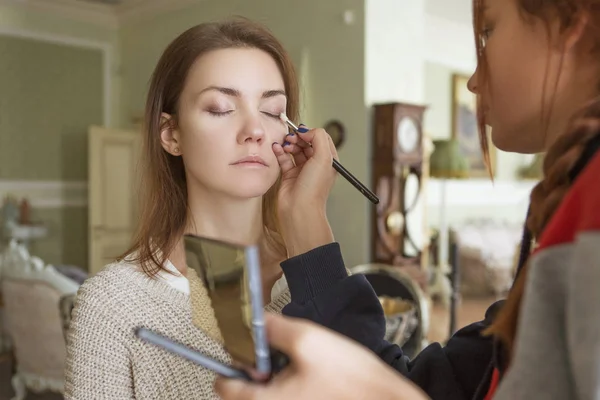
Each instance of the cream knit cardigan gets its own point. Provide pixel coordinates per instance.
(105, 360)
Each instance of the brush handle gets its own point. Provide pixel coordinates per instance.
(340, 168)
(355, 182)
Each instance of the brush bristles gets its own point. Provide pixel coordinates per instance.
(287, 121)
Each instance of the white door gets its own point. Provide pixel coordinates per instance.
(113, 178)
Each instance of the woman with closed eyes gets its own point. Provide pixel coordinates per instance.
(211, 118)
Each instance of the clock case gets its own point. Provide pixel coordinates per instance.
(391, 167)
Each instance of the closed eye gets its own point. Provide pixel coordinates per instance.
(276, 116)
(219, 113)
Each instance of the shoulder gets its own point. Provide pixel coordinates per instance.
(578, 212)
(103, 308)
(572, 239)
(586, 194)
(115, 284)
(114, 274)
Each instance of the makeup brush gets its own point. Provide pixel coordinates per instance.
(338, 167)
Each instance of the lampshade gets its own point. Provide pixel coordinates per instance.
(447, 162)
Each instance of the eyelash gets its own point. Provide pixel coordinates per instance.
(219, 113)
(224, 113)
(274, 116)
(485, 35)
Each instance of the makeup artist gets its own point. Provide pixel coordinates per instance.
(554, 358)
(322, 291)
(545, 337)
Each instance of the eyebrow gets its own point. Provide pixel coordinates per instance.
(236, 93)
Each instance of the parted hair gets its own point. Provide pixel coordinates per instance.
(163, 196)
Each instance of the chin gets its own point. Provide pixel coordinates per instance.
(516, 141)
(249, 189)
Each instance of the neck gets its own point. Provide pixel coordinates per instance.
(221, 218)
(578, 93)
(558, 125)
(225, 218)
(232, 220)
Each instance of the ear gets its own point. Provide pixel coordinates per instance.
(574, 34)
(169, 135)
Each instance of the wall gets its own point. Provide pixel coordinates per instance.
(330, 56)
(394, 51)
(16, 20)
(57, 77)
(505, 199)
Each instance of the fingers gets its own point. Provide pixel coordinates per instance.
(285, 333)
(300, 158)
(236, 389)
(300, 146)
(332, 148)
(284, 159)
(299, 149)
(321, 145)
(292, 138)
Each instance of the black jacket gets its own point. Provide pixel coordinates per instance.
(322, 292)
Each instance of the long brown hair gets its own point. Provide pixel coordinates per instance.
(563, 153)
(163, 196)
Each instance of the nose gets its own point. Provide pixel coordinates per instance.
(252, 130)
(472, 84)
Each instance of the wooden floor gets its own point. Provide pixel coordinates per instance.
(470, 310)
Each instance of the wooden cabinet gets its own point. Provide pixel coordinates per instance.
(397, 164)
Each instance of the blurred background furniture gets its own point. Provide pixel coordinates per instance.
(406, 307)
(33, 294)
(487, 252)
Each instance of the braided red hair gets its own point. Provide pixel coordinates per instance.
(546, 197)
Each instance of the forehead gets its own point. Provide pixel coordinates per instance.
(250, 71)
(498, 5)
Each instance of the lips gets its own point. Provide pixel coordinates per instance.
(250, 160)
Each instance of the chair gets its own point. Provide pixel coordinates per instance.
(33, 295)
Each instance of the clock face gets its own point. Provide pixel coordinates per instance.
(336, 130)
(408, 135)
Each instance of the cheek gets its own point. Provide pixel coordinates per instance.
(275, 132)
(514, 86)
(204, 149)
(198, 142)
(515, 103)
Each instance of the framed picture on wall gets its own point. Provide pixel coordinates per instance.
(464, 127)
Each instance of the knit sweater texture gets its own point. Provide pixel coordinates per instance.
(105, 360)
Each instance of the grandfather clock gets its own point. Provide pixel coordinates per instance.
(397, 156)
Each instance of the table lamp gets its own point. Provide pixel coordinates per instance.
(446, 162)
